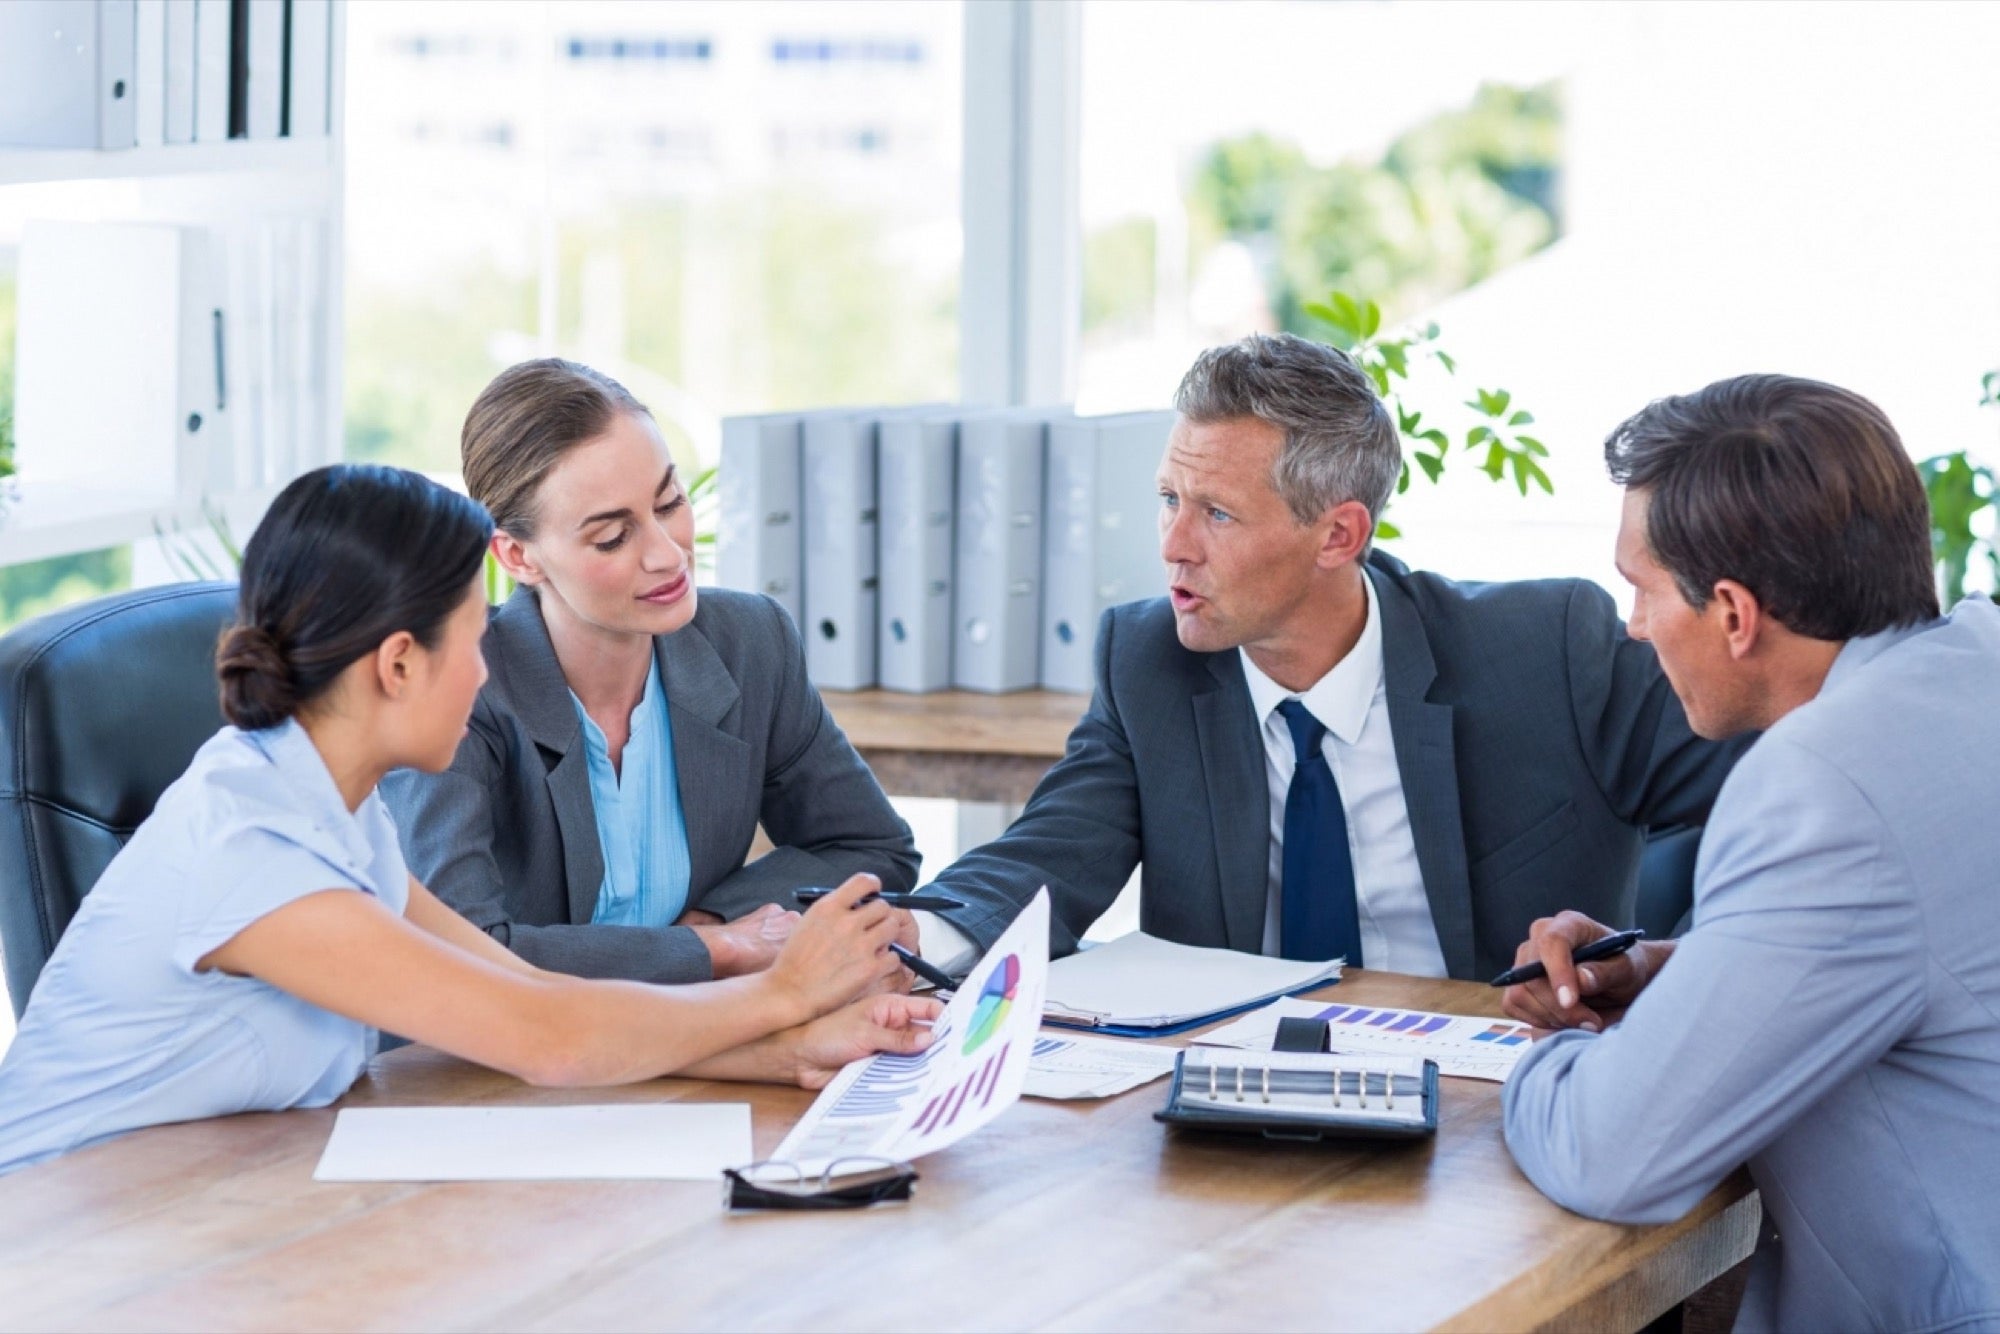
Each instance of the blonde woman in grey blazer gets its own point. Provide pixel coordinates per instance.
(633, 732)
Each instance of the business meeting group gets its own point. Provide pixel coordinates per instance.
(522, 834)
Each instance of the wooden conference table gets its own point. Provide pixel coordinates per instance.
(1084, 1215)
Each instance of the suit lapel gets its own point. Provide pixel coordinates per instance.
(701, 695)
(1232, 764)
(541, 699)
(1427, 757)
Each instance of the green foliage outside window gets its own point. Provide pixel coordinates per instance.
(1452, 201)
(1960, 491)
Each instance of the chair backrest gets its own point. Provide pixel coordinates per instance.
(102, 705)
(1666, 880)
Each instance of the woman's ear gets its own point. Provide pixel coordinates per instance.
(515, 558)
(396, 664)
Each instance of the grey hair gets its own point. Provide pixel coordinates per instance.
(1340, 444)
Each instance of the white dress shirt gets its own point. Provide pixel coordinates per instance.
(1352, 702)
(1397, 933)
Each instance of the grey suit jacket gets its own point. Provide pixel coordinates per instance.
(508, 835)
(1833, 1017)
(1536, 741)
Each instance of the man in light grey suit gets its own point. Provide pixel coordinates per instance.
(1833, 1016)
(1473, 755)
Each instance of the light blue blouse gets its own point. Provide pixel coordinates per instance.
(640, 826)
(121, 1032)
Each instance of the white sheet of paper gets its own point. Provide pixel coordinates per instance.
(1086, 1067)
(635, 1141)
(1463, 1045)
(1144, 982)
(902, 1107)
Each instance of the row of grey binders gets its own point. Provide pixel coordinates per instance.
(935, 547)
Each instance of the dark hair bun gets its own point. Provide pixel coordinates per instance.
(259, 689)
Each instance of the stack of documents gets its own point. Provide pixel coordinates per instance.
(1143, 986)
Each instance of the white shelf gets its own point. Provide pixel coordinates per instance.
(28, 166)
(52, 519)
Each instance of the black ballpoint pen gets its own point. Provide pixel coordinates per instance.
(929, 972)
(1601, 948)
(895, 899)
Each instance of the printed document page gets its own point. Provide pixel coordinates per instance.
(1463, 1045)
(628, 1141)
(900, 1107)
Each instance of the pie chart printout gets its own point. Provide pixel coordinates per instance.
(996, 1000)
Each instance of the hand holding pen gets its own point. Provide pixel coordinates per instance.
(1573, 972)
(932, 902)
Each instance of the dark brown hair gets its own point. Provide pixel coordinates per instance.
(522, 424)
(346, 556)
(1798, 490)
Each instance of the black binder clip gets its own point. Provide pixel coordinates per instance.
(764, 1185)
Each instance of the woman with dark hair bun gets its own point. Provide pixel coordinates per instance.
(244, 948)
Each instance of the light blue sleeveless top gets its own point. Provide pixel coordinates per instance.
(640, 825)
(121, 1032)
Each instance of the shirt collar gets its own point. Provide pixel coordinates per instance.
(1340, 699)
(300, 766)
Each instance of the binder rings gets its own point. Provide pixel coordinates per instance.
(1101, 542)
(1294, 1095)
(917, 472)
(757, 539)
(996, 568)
(837, 470)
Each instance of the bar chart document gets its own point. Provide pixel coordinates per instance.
(901, 1107)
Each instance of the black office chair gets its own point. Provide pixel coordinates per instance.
(102, 705)
(1665, 904)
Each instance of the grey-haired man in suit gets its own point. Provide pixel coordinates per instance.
(1833, 1016)
(1311, 750)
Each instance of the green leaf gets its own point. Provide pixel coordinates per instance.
(1407, 421)
(1349, 318)
(1989, 386)
(1432, 464)
(1371, 319)
(1403, 478)
(1444, 359)
(1521, 418)
(1379, 376)
(1394, 358)
(1322, 312)
(1436, 437)
(1492, 402)
(1431, 331)
(1532, 445)
(1496, 461)
(1386, 530)
(1478, 435)
(1541, 478)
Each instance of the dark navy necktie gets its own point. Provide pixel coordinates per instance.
(1321, 918)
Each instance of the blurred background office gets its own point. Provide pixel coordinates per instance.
(738, 206)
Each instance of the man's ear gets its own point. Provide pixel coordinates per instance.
(514, 558)
(1345, 531)
(396, 664)
(1740, 616)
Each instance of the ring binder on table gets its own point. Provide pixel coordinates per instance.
(1303, 1095)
